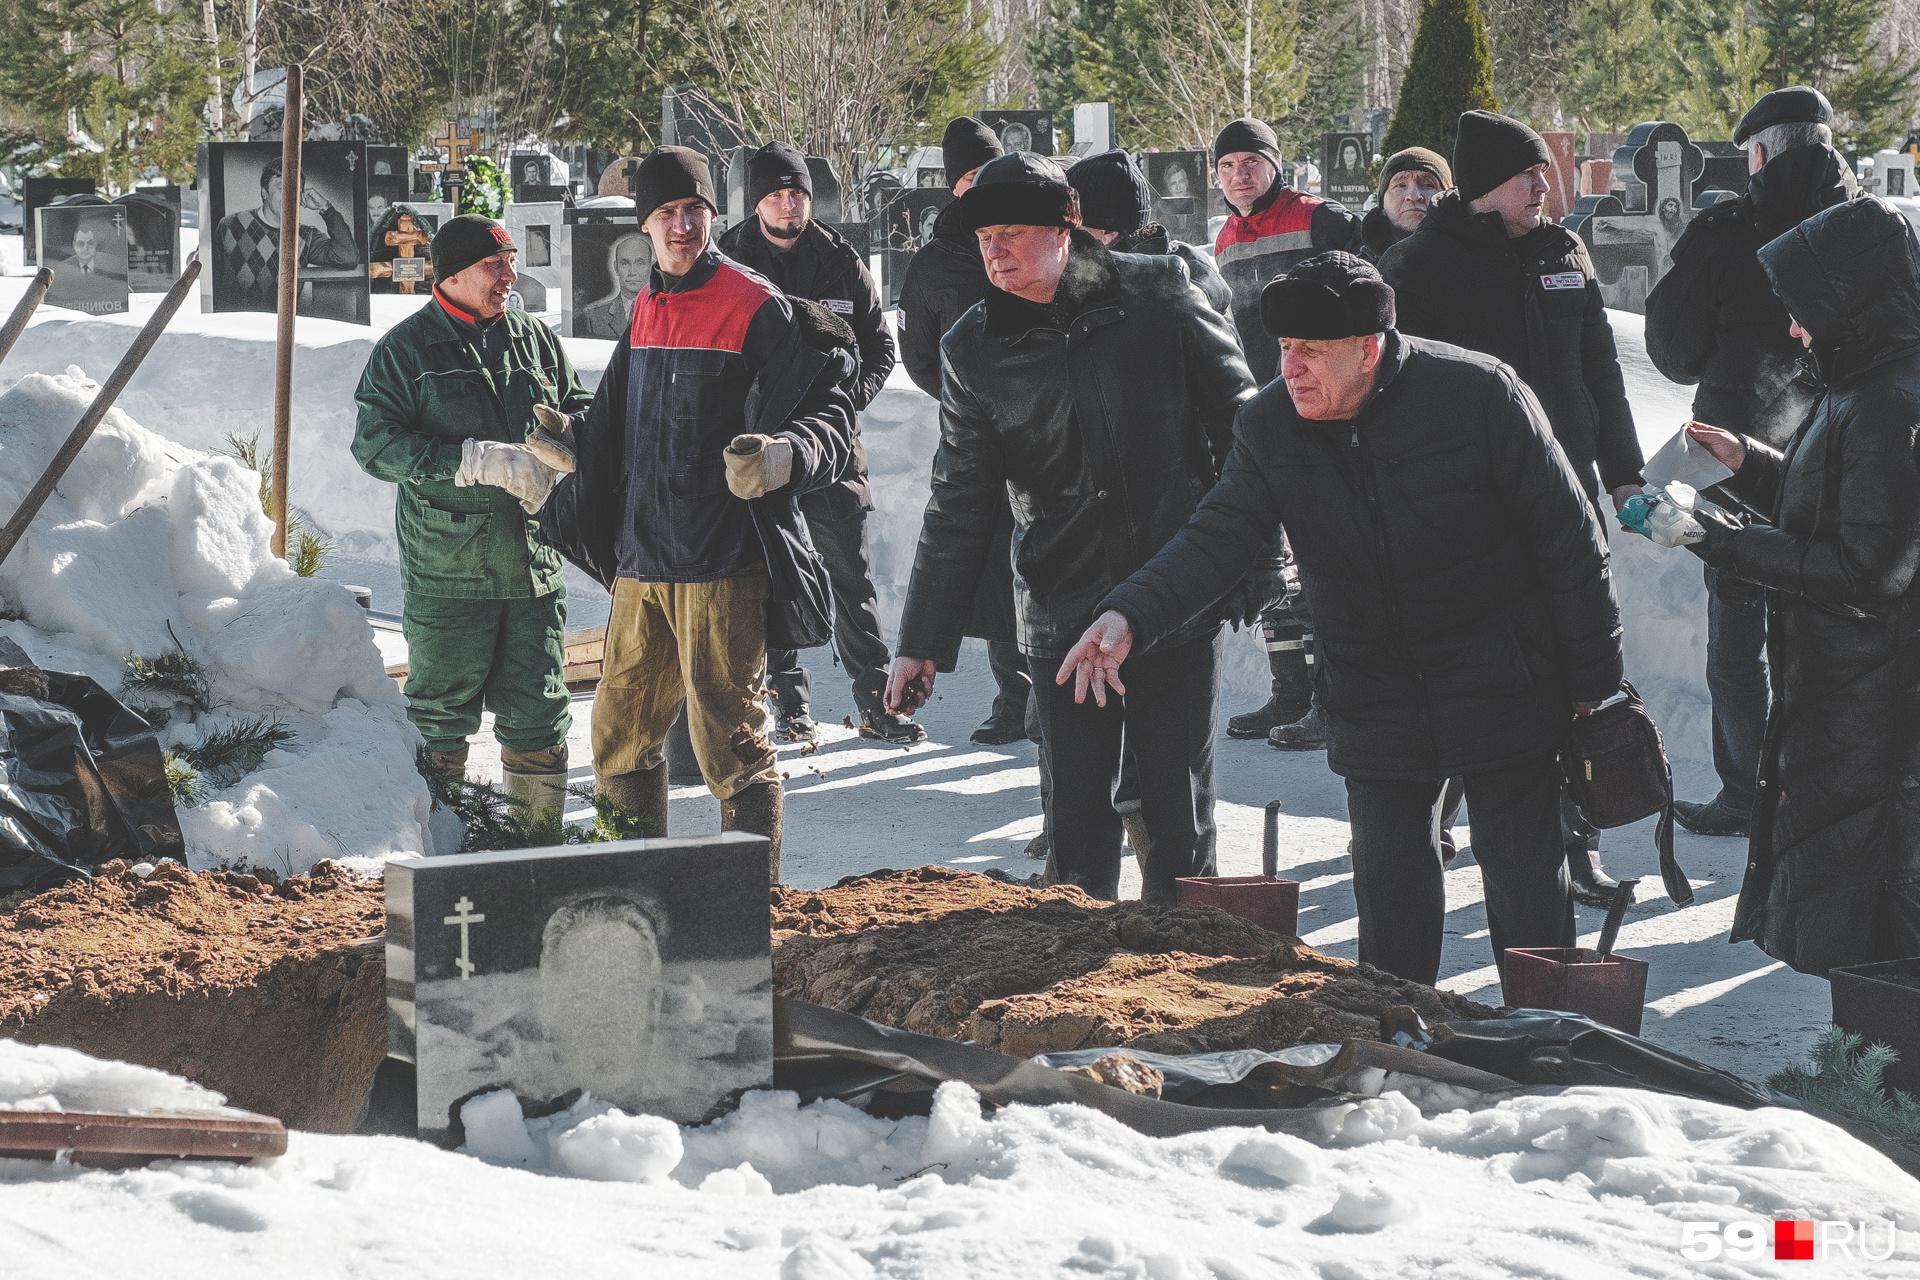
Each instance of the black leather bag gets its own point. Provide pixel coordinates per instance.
(1617, 772)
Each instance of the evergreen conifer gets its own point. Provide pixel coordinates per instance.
(1449, 73)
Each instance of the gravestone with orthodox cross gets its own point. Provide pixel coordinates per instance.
(1632, 248)
(639, 972)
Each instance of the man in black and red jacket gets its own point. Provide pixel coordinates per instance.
(718, 410)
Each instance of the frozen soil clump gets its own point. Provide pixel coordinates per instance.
(271, 993)
(1027, 971)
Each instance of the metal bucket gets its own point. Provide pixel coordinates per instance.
(1273, 905)
(1577, 980)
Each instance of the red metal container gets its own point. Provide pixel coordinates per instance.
(1274, 905)
(1577, 980)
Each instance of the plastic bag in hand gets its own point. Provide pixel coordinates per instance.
(1667, 516)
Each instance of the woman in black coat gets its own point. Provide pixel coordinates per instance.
(1833, 872)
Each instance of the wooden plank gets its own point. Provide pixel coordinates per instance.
(115, 1138)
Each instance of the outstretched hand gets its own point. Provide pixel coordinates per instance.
(909, 685)
(1094, 663)
(1727, 448)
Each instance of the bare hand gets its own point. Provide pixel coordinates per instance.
(1621, 495)
(909, 685)
(1095, 661)
(1725, 446)
(1584, 709)
(311, 199)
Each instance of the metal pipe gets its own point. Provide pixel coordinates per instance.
(122, 374)
(289, 302)
(1270, 843)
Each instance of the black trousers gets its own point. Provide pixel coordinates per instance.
(1397, 879)
(842, 543)
(1168, 718)
(1010, 678)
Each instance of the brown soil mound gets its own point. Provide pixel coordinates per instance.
(275, 995)
(1028, 971)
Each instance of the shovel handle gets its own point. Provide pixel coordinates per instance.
(1270, 843)
(1610, 931)
(24, 309)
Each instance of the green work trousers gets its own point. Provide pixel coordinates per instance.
(505, 655)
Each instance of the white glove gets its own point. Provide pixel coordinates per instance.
(512, 467)
(758, 465)
(552, 438)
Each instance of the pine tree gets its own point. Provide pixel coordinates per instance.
(1829, 44)
(1720, 59)
(1449, 73)
(1617, 73)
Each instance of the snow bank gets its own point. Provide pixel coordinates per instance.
(1586, 1182)
(147, 546)
(46, 1078)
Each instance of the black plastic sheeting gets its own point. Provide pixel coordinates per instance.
(82, 778)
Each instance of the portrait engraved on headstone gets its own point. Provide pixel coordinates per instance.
(86, 245)
(607, 269)
(1343, 168)
(1632, 249)
(1022, 130)
(240, 192)
(35, 192)
(533, 227)
(639, 972)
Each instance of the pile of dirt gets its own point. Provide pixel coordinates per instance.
(273, 993)
(1029, 971)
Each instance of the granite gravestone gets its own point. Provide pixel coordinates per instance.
(639, 972)
(1632, 248)
(1022, 130)
(605, 266)
(35, 192)
(153, 237)
(826, 189)
(1343, 167)
(239, 184)
(529, 169)
(86, 245)
(1092, 128)
(536, 229)
(1178, 181)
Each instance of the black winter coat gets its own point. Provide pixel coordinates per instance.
(1714, 320)
(945, 279)
(1378, 234)
(1833, 870)
(826, 270)
(1533, 303)
(1105, 415)
(1155, 241)
(1461, 596)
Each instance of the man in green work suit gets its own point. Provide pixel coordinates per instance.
(445, 407)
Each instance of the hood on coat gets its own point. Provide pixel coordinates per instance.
(1450, 215)
(1851, 277)
(1797, 184)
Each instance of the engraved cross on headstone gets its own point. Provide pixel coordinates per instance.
(632, 172)
(464, 919)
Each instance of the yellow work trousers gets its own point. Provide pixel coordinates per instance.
(704, 642)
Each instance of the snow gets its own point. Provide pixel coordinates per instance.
(1574, 1183)
(48, 1078)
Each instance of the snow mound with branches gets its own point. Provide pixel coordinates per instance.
(149, 549)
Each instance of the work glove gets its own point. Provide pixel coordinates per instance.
(552, 438)
(758, 465)
(1253, 595)
(512, 467)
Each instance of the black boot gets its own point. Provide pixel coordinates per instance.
(640, 800)
(1290, 659)
(760, 809)
(1592, 887)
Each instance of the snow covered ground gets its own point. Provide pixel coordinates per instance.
(1585, 1183)
(856, 806)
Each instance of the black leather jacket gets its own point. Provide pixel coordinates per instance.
(1105, 415)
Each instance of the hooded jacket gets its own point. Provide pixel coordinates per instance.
(1282, 228)
(1105, 414)
(710, 356)
(1461, 595)
(1155, 241)
(1713, 320)
(1534, 303)
(1833, 868)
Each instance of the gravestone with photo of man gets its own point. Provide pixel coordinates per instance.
(240, 187)
(1022, 130)
(35, 192)
(639, 972)
(537, 230)
(84, 239)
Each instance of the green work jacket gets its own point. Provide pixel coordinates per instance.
(425, 391)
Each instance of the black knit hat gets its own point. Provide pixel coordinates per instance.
(460, 242)
(672, 173)
(967, 145)
(1488, 149)
(1248, 134)
(775, 167)
(1416, 160)
(1113, 192)
(1020, 188)
(1330, 295)
(1795, 105)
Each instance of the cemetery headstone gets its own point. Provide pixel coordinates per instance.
(1092, 128)
(537, 229)
(1893, 173)
(690, 118)
(736, 185)
(1596, 177)
(889, 242)
(1725, 168)
(605, 266)
(35, 192)
(1632, 249)
(1178, 181)
(640, 972)
(1022, 130)
(1343, 165)
(86, 245)
(239, 184)
(401, 256)
(528, 169)
(924, 206)
(1563, 177)
(153, 237)
(826, 188)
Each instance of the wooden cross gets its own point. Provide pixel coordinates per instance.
(406, 238)
(456, 147)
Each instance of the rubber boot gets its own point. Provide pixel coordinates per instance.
(761, 809)
(640, 799)
(450, 762)
(1290, 659)
(683, 765)
(538, 779)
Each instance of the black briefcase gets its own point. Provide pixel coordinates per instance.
(1617, 772)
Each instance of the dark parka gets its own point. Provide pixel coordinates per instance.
(1378, 234)
(1833, 870)
(1713, 320)
(1106, 415)
(1533, 303)
(1155, 241)
(827, 270)
(1461, 595)
(945, 279)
